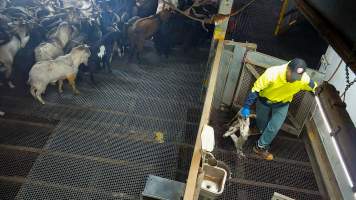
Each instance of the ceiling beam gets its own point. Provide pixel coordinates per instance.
(341, 45)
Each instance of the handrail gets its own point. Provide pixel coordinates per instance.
(191, 188)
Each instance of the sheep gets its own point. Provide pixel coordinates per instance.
(64, 67)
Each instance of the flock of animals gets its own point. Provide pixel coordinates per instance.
(45, 42)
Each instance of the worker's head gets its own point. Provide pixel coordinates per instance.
(295, 70)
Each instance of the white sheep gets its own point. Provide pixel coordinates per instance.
(64, 67)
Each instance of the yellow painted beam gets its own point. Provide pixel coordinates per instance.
(281, 17)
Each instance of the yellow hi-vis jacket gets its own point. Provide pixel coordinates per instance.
(273, 85)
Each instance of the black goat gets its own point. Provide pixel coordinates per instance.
(101, 54)
(25, 57)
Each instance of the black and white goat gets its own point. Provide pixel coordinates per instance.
(25, 58)
(102, 53)
(8, 50)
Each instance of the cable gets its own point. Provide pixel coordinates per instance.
(337, 69)
(348, 82)
(212, 20)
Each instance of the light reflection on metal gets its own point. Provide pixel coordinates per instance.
(342, 162)
(336, 146)
(326, 122)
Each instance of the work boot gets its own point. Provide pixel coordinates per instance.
(263, 153)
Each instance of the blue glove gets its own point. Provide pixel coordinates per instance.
(245, 112)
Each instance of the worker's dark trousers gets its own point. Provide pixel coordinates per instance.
(269, 118)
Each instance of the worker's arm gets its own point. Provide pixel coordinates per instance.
(309, 84)
(261, 83)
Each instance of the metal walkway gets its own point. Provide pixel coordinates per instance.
(103, 144)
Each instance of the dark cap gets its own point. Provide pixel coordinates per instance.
(298, 65)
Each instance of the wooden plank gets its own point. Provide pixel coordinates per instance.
(195, 163)
(234, 75)
(263, 60)
(252, 70)
(225, 64)
(249, 46)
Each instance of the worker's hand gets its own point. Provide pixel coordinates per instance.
(318, 90)
(245, 112)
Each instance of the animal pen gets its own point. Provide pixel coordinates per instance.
(145, 119)
(104, 143)
(141, 120)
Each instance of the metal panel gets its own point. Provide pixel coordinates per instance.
(163, 189)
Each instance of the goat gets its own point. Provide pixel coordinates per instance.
(9, 49)
(54, 48)
(64, 67)
(5, 36)
(102, 53)
(243, 126)
(144, 29)
(25, 58)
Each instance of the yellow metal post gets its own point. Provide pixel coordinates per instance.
(220, 29)
(281, 17)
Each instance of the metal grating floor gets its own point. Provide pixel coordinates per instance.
(103, 143)
(290, 173)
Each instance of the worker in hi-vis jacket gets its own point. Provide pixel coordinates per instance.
(273, 91)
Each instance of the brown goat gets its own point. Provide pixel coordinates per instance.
(144, 29)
